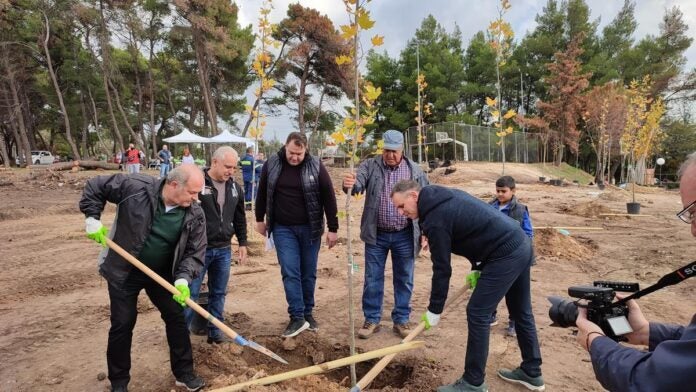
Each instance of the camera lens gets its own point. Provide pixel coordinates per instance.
(562, 312)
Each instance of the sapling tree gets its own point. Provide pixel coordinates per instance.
(351, 133)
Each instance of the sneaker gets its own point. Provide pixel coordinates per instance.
(313, 325)
(295, 326)
(220, 340)
(462, 386)
(368, 329)
(191, 382)
(402, 329)
(494, 320)
(510, 331)
(518, 376)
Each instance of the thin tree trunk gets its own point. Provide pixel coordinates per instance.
(54, 79)
(97, 127)
(203, 79)
(22, 137)
(3, 150)
(318, 115)
(301, 101)
(105, 67)
(151, 92)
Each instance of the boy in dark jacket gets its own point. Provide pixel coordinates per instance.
(456, 222)
(506, 202)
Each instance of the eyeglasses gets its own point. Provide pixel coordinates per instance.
(687, 215)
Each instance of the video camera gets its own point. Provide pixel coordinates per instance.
(608, 315)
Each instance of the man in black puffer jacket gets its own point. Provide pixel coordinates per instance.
(456, 222)
(295, 192)
(223, 203)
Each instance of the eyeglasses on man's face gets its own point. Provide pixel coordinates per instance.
(687, 215)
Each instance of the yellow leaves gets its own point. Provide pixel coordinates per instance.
(343, 59)
(341, 214)
(338, 137)
(358, 196)
(371, 93)
(490, 101)
(508, 130)
(377, 40)
(505, 4)
(495, 114)
(364, 20)
(348, 31)
(510, 114)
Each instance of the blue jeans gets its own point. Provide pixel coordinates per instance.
(164, 170)
(217, 264)
(506, 276)
(297, 254)
(400, 244)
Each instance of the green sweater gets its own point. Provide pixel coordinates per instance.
(158, 250)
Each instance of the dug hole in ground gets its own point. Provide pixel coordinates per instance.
(55, 312)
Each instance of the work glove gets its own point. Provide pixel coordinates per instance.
(472, 278)
(96, 231)
(430, 319)
(184, 292)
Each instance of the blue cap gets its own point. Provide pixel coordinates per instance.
(393, 140)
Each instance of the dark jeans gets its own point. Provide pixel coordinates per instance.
(508, 277)
(297, 254)
(247, 191)
(124, 312)
(400, 244)
(217, 265)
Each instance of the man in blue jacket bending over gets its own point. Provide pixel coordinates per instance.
(456, 222)
(670, 362)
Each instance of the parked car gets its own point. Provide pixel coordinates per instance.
(41, 157)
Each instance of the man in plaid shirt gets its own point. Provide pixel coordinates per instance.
(383, 230)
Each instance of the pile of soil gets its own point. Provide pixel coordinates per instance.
(550, 242)
(229, 364)
(590, 209)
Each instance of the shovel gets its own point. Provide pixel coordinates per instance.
(227, 330)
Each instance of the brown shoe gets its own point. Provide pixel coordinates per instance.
(402, 329)
(368, 329)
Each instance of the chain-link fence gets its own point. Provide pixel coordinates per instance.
(463, 142)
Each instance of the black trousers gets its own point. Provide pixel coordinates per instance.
(124, 312)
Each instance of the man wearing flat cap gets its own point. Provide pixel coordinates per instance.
(383, 230)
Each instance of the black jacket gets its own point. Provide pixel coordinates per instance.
(136, 197)
(221, 226)
(456, 222)
(319, 196)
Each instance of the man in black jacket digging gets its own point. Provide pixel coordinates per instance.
(456, 222)
(159, 222)
(222, 200)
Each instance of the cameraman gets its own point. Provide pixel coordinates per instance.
(670, 363)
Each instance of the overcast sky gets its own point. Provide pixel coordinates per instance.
(397, 21)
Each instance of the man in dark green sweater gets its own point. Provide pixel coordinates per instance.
(161, 223)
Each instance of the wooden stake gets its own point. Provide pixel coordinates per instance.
(249, 271)
(624, 215)
(568, 228)
(379, 366)
(324, 366)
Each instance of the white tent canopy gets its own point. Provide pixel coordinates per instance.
(226, 137)
(187, 136)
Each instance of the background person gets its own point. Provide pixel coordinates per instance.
(187, 158)
(165, 158)
(248, 168)
(159, 221)
(295, 192)
(456, 222)
(223, 204)
(132, 159)
(384, 230)
(669, 363)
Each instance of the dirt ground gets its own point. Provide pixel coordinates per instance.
(54, 307)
